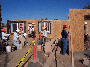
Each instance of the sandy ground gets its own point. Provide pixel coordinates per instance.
(12, 59)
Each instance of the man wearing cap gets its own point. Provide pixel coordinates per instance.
(86, 34)
(64, 40)
(15, 39)
(44, 34)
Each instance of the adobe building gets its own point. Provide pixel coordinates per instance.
(75, 22)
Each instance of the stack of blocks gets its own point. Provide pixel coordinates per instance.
(22, 42)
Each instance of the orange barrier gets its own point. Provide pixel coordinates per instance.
(34, 52)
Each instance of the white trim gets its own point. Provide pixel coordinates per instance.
(12, 27)
(40, 26)
(17, 25)
(44, 24)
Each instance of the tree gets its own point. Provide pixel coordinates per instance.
(46, 19)
(2, 23)
(87, 7)
(56, 19)
(41, 19)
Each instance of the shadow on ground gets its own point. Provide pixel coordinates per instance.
(27, 61)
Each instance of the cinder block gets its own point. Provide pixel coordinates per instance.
(48, 46)
(39, 47)
(20, 47)
(29, 40)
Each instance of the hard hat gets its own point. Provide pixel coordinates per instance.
(85, 22)
(64, 26)
(2, 29)
(44, 27)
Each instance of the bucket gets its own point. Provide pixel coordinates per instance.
(8, 49)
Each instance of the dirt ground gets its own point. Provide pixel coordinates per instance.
(12, 59)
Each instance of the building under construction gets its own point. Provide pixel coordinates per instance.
(77, 17)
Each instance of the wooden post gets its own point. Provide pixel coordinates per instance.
(71, 46)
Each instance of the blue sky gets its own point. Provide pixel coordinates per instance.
(38, 9)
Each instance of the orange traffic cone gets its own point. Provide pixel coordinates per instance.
(34, 52)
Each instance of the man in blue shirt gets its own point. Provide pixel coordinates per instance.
(64, 40)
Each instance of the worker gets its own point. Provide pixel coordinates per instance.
(4, 39)
(25, 38)
(44, 34)
(15, 39)
(33, 32)
(4, 35)
(64, 40)
(86, 34)
(29, 30)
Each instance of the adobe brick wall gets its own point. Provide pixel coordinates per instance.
(76, 18)
(56, 27)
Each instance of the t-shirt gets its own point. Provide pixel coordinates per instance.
(4, 35)
(45, 33)
(32, 29)
(16, 36)
(64, 34)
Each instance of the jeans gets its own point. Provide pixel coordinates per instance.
(25, 41)
(63, 46)
(43, 39)
(16, 44)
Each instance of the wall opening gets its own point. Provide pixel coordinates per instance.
(46, 24)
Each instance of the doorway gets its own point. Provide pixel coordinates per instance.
(86, 32)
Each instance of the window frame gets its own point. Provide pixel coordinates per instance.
(19, 22)
(49, 26)
(12, 27)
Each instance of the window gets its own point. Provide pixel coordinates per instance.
(87, 17)
(42, 24)
(18, 25)
(13, 27)
(21, 27)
